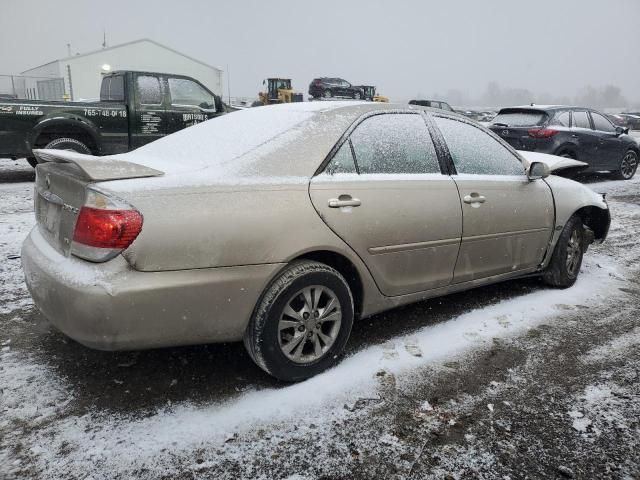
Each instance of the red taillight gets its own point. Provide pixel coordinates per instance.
(112, 229)
(542, 132)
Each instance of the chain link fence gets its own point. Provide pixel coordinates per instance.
(32, 88)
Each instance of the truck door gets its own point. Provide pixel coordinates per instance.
(189, 103)
(149, 122)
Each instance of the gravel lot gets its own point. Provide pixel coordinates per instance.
(510, 381)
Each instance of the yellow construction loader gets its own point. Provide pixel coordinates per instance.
(278, 91)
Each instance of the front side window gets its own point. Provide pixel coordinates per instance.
(601, 123)
(188, 92)
(394, 143)
(149, 91)
(581, 120)
(476, 152)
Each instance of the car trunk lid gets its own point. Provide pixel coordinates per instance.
(61, 184)
(513, 125)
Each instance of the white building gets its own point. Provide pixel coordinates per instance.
(79, 76)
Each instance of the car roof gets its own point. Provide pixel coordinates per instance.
(309, 131)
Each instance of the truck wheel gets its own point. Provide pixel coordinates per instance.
(302, 323)
(563, 270)
(68, 144)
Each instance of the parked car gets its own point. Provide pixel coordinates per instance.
(575, 132)
(433, 104)
(281, 225)
(632, 119)
(135, 108)
(617, 119)
(334, 87)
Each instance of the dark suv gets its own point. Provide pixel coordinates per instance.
(575, 132)
(433, 104)
(334, 87)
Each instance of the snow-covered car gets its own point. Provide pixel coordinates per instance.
(281, 225)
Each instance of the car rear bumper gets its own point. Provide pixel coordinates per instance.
(111, 306)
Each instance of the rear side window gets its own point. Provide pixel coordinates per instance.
(476, 152)
(149, 91)
(581, 120)
(521, 119)
(394, 143)
(601, 123)
(562, 119)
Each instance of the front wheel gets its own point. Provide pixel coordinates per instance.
(357, 96)
(564, 267)
(302, 323)
(628, 166)
(327, 93)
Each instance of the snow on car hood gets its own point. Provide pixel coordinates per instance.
(554, 162)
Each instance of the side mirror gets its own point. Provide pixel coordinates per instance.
(538, 170)
(621, 130)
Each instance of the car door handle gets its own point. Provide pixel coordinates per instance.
(574, 135)
(344, 201)
(474, 198)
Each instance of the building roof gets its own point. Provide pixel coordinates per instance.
(141, 40)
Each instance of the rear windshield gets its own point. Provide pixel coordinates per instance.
(523, 118)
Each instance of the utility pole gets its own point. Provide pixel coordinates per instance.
(104, 38)
(228, 84)
(68, 49)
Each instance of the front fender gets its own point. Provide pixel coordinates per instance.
(62, 121)
(570, 197)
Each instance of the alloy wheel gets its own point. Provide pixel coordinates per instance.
(309, 324)
(629, 165)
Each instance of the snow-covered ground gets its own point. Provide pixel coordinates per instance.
(500, 382)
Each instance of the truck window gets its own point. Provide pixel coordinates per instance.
(188, 92)
(149, 91)
(112, 89)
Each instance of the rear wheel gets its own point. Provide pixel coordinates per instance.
(566, 260)
(68, 144)
(628, 166)
(302, 323)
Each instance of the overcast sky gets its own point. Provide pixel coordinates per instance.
(406, 48)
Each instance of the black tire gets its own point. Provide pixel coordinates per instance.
(327, 93)
(628, 166)
(263, 338)
(68, 144)
(563, 271)
(32, 161)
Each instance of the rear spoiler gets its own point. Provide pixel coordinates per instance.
(97, 168)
